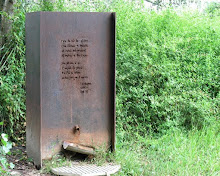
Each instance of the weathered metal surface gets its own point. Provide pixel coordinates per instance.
(72, 83)
(78, 148)
(33, 98)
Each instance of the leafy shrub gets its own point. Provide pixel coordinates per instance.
(167, 70)
(167, 67)
(12, 77)
(4, 150)
(213, 8)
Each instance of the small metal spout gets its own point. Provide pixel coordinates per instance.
(76, 129)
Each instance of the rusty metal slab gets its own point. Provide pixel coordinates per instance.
(70, 81)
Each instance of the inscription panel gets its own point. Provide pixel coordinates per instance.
(74, 53)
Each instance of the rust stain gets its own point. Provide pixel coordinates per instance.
(70, 81)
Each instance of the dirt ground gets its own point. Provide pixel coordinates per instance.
(23, 165)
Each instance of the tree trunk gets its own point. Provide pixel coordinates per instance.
(6, 6)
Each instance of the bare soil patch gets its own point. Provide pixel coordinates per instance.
(23, 165)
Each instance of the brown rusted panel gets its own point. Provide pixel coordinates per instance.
(33, 96)
(77, 67)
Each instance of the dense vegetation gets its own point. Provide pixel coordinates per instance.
(167, 79)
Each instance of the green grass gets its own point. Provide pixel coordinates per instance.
(176, 153)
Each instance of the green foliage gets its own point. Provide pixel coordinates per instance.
(12, 84)
(4, 150)
(167, 70)
(167, 67)
(101, 157)
(213, 8)
(167, 82)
